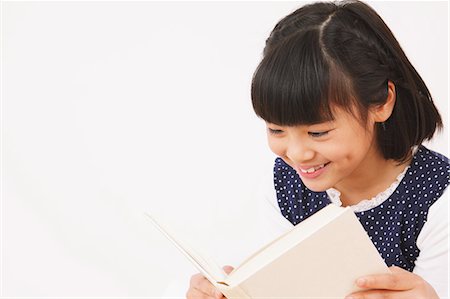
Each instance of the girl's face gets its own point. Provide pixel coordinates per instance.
(328, 153)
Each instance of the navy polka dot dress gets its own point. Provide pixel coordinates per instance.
(394, 225)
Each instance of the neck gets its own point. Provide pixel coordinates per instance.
(374, 175)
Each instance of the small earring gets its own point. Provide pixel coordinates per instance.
(383, 125)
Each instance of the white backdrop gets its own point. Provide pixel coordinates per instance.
(113, 108)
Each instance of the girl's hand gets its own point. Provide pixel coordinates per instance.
(201, 288)
(400, 284)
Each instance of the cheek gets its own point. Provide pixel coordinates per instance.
(355, 138)
(346, 155)
(339, 153)
(276, 146)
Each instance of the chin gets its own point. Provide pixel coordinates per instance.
(316, 187)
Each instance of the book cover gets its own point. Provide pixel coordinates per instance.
(320, 257)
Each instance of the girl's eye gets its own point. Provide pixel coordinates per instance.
(274, 132)
(318, 134)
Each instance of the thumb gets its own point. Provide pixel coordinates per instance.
(228, 269)
(397, 270)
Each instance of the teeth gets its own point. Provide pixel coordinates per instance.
(312, 169)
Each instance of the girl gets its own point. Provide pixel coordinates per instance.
(346, 114)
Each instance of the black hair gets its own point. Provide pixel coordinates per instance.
(342, 54)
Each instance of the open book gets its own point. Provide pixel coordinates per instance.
(320, 257)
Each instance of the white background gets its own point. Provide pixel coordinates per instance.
(110, 109)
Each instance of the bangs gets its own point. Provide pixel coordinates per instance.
(297, 83)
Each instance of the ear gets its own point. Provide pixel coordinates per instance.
(382, 112)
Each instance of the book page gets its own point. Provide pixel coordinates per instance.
(214, 273)
(323, 265)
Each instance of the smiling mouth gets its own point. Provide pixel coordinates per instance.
(314, 169)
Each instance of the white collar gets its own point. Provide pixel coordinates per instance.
(367, 204)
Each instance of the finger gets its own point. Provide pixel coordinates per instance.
(200, 283)
(228, 269)
(193, 293)
(195, 279)
(208, 288)
(379, 294)
(398, 279)
(395, 270)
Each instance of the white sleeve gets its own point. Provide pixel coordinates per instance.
(432, 262)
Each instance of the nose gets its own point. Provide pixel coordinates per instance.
(299, 152)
